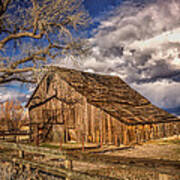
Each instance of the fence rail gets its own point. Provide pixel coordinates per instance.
(14, 133)
(51, 153)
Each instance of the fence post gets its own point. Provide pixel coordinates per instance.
(68, 165)
(21, 154)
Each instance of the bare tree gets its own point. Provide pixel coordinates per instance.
(34, 32)
(12, 115)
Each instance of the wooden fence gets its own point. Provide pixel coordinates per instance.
(6, 134)
(162, 166)
(68, 173)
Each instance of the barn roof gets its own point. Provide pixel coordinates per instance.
(114, 96)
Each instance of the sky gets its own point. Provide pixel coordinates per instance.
(137, 40)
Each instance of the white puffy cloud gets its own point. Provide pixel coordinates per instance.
(162, 93)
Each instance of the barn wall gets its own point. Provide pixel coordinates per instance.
(141, 133)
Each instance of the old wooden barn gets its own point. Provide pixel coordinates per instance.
(75, 105)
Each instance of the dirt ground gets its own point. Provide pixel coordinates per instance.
(168, 149)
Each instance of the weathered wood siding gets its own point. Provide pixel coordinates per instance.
(66, 115)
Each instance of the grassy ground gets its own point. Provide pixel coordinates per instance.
(69, 146)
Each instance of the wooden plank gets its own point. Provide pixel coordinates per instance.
(124, 134)
(93, 124)
(148, 132)
(143, 133)
(101, 128)
(105, 129)
(85, 119)
(132, 134)
(89, 122)
(116, 140)
(109, 129)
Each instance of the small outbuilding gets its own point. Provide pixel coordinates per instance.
(79, 106)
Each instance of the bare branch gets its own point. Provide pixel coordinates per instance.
(3, 81)
(3, 6)
(36, 16)
(35, 56)
(5, 70)
(19, 35)
(34, 32)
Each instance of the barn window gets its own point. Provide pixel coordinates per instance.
(52, 116)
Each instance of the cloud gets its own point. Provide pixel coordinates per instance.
(163, 93)
(7, 93)
(141, 43)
